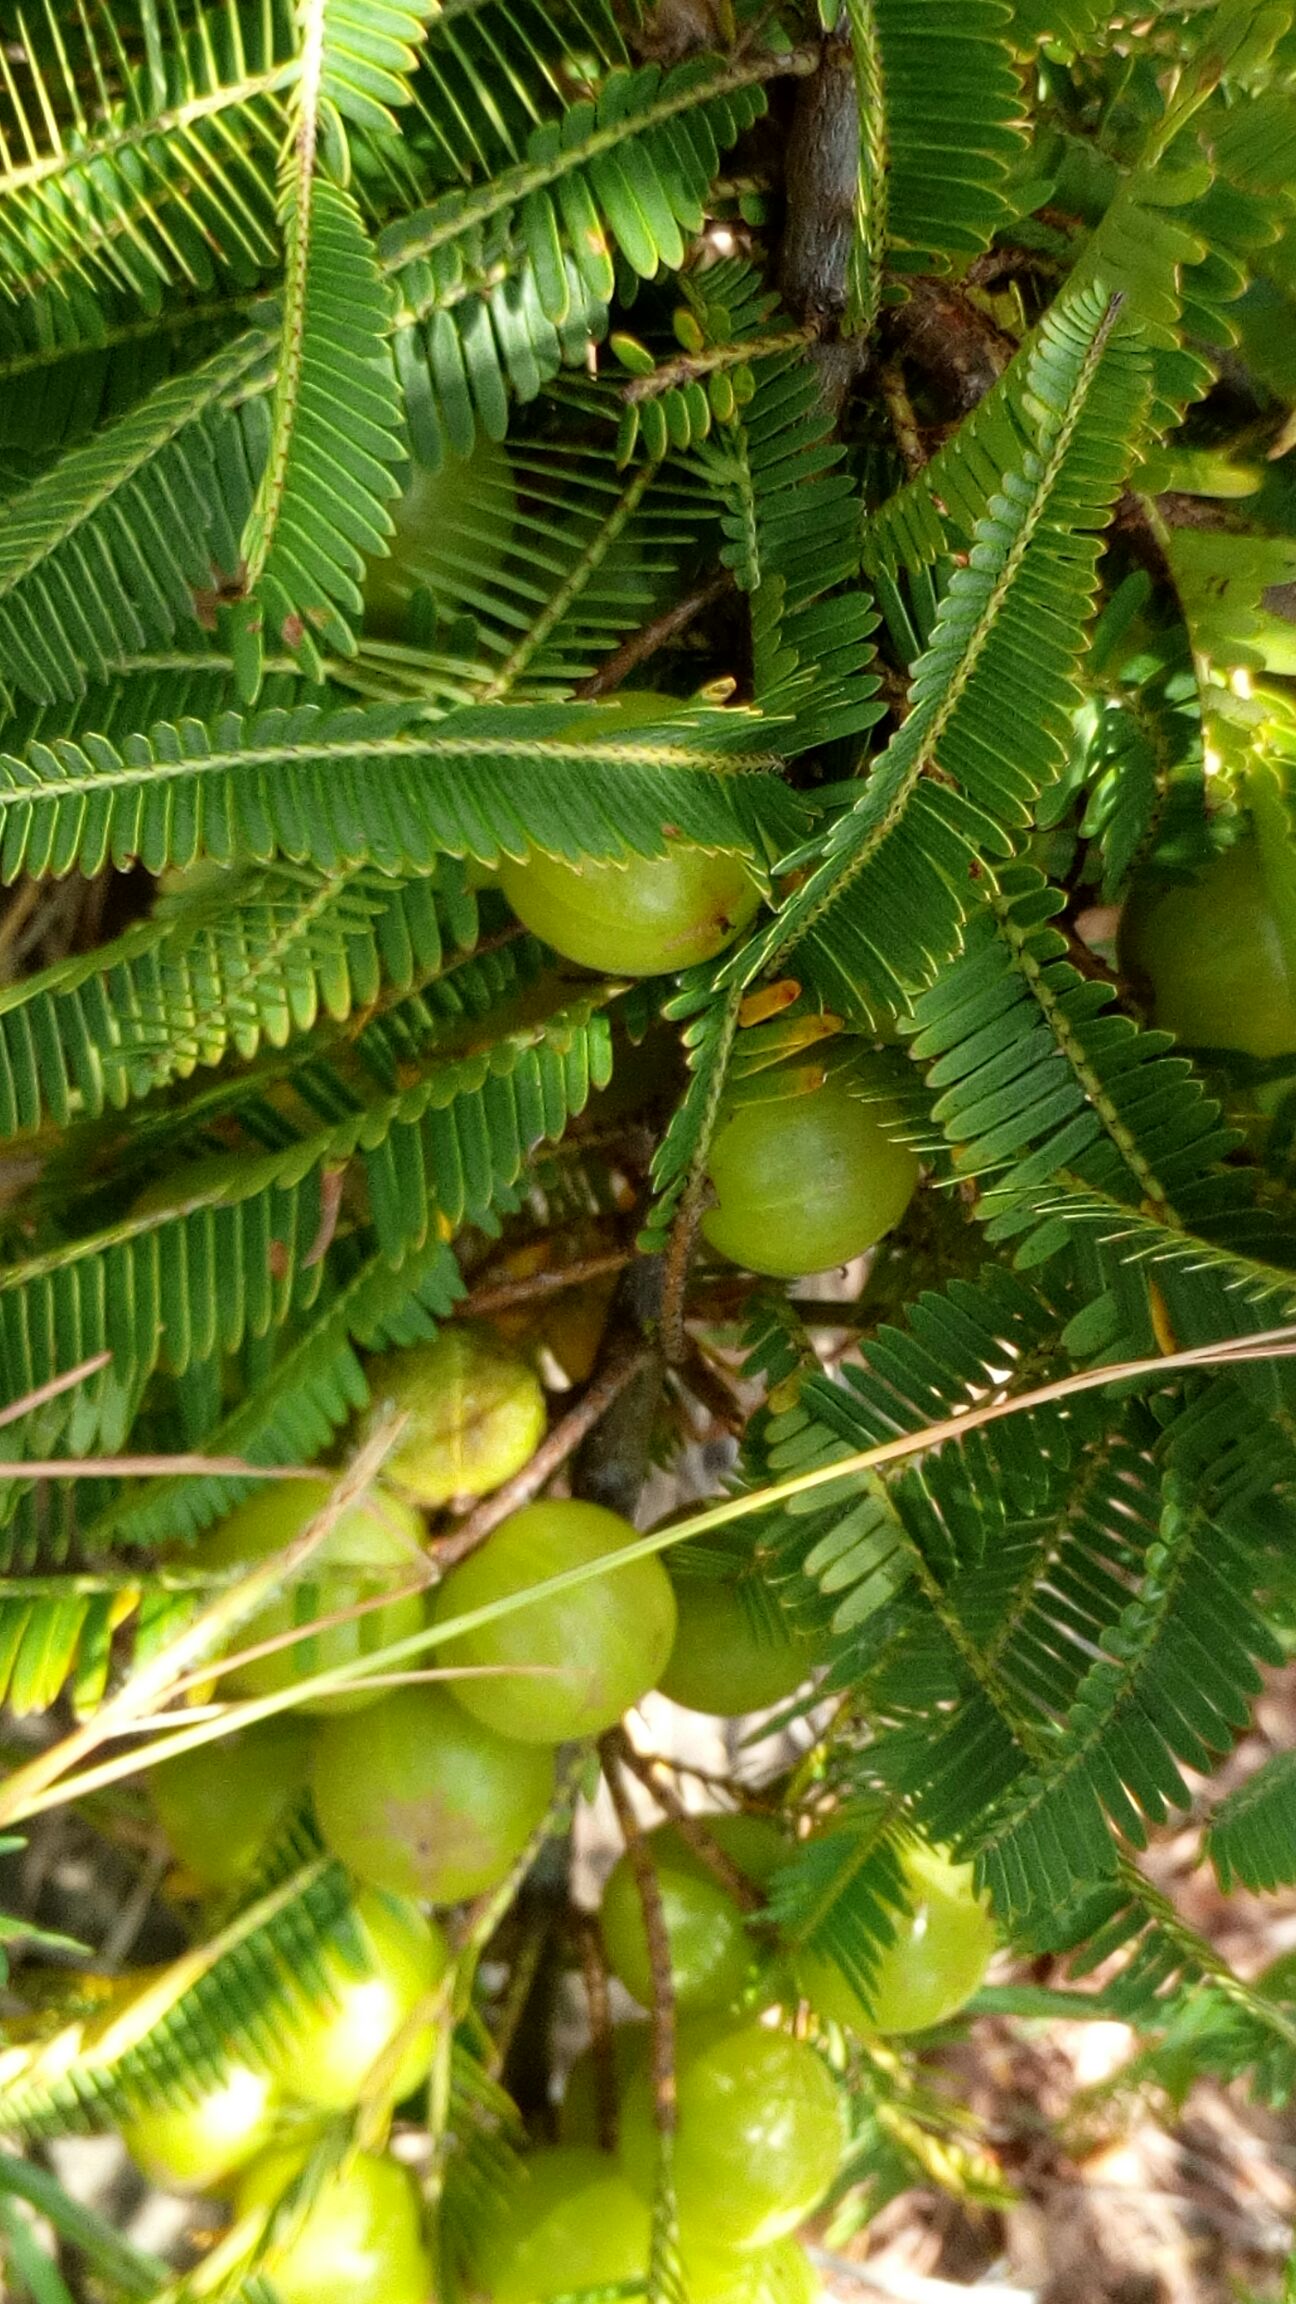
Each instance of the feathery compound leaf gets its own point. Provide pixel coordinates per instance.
(335, 444)
(227, 970)
(1173, 1690)
(992, 696)
(1040, 1086)
(1252, 1833)
(391, 786)
(172, 2039)
(135, 157)
(940, 126)
(334, 450)
(641, 157)
(838, 1897)
(101, 555)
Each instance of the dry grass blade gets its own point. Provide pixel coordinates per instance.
(27, 1794)
(153, 1681)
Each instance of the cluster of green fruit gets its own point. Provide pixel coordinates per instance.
(429, 1796)
(759, 2116)
(651, 915)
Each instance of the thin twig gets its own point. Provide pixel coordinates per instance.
(691, 1829)
(688, 366)
(594, 1976)
(675, 1267)
(643, 644)
(648, 1889)
(549, 1457)
(52, 1389)
(508, 1293)
(154, 1679)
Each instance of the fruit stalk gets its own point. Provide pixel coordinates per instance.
(691, 1829)
(550, 1456)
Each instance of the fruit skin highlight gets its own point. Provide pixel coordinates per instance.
(645, 917)
(360, 2242)
(194, 2146)
(942, 1948)
(476, 1416)
(329, 2051)
(374, 1546)
(760, 2135)
(804, 1182)
(418, 1796)
(600, 1646)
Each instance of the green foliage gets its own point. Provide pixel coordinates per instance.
(966, 592)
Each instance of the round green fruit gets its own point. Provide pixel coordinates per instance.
(452, 530)
(805, 1182)
(578, 2113)
(1218, 956)
(645, 917)
(722, 1660)
(759, 2137)
(420, 1797)
(572, 2222)
(191, 2147)
(329, 2052)
(711, 1946)
(476, 1416)
(219, 1804)
(594, 1650)
(360, 2241)
(374, 1546)
(781, 2274)
(940, 1954)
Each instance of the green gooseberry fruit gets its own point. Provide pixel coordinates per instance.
(572, 2222)
(803, 1182)
(476, 1416)
(419, 1796)
(329, 2050)
(759, 2138)
(937, 1960)
(578, 2113)
(359, 2242)
(711, 1947)
(374, 1546)
(219, 1804)
(1219, 955)
(190, 2147)
(599, 1647)
(780, 2274)
(452, 531)
(725, 1660)
(644, 917)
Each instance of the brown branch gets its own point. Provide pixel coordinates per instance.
(507, 1293)
(549, 1457)
(691, 1829)
(594, 1976)
(648, 1889)
(675, 1269)
(645, 643)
